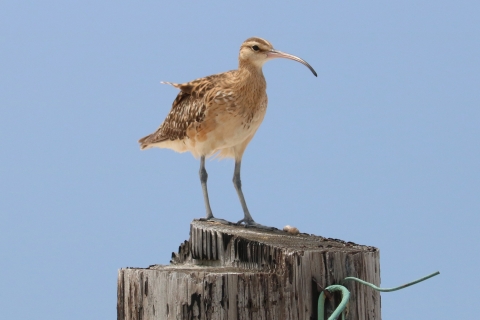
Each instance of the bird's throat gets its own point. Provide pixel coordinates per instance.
(251, 76)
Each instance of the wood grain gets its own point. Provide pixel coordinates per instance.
(231, 272)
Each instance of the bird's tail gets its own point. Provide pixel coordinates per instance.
(144, 142)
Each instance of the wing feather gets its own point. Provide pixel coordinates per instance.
(189, 107)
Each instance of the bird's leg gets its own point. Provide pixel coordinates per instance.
(247, 219)
(203, 180)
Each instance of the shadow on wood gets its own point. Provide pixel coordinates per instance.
(232, 272)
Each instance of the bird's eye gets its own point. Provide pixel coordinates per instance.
(255, 48)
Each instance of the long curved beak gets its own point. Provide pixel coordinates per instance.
(272, 54)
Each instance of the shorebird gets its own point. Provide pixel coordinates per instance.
(220, 114)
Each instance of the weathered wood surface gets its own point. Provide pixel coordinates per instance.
(230, 272)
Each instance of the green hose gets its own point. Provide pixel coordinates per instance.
(346, 294)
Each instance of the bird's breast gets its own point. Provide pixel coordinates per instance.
(227, 123)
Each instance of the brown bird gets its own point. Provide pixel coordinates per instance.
(220, 114)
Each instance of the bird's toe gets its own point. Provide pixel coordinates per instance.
(252, 224)
(212, 219)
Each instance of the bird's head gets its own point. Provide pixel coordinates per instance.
(257, 51)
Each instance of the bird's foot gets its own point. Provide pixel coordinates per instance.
(213, 219)
(253, 224)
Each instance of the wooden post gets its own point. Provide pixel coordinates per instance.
(231, 272)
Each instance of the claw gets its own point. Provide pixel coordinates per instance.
(212, 219)
(251, 223)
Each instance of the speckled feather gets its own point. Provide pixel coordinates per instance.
(188, 109)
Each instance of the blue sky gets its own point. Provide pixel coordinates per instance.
(381, 149)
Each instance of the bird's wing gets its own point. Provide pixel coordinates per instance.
(189, 107)
(186, 109)
(201, 86)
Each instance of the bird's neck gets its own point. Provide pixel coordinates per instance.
(251, 75)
